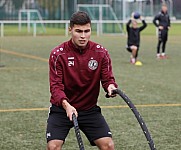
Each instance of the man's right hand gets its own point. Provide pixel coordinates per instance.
(160, 27)
(69, 109)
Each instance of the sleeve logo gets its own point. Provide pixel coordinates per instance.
(93, 64)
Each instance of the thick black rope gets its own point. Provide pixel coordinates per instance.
(137, 115)
(77, 132)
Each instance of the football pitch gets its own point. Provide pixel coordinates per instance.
(153, 87)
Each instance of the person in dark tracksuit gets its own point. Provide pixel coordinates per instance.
(133, 41)
(162, 22)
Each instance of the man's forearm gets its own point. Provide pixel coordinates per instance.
(69, 109)
(65, 104)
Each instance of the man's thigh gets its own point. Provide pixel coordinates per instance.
(163, 35)
(58, 125)
(93, 124)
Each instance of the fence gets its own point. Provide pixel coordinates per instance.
(63, 25)
(31, 26)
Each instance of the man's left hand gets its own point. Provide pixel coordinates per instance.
(110, 88)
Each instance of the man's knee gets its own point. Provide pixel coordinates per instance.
(105, 144)
(134, 48)
(109, 146)
(54, 145)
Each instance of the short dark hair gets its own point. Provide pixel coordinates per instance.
(79, 18)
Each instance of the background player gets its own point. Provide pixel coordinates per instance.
(133, 41)
(163, 25)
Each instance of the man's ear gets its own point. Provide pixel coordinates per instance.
(70, 29)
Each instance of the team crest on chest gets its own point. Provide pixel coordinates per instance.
(93, 64)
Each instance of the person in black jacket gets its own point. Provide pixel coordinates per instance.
(133, 41)
(162, 22)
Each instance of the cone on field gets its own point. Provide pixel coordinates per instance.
(138, 63)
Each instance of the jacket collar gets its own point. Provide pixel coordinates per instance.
(74, 48)
(164, 13)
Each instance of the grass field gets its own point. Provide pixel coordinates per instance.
(154, 88)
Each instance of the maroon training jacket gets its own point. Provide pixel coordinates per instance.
(75, 75)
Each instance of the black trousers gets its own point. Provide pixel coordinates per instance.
(162, 40)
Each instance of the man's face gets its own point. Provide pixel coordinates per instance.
(134, 24)
(80, 35)
(164, 9)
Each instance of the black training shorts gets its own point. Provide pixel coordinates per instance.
(91, 123)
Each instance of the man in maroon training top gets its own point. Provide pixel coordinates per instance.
(76, 68)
